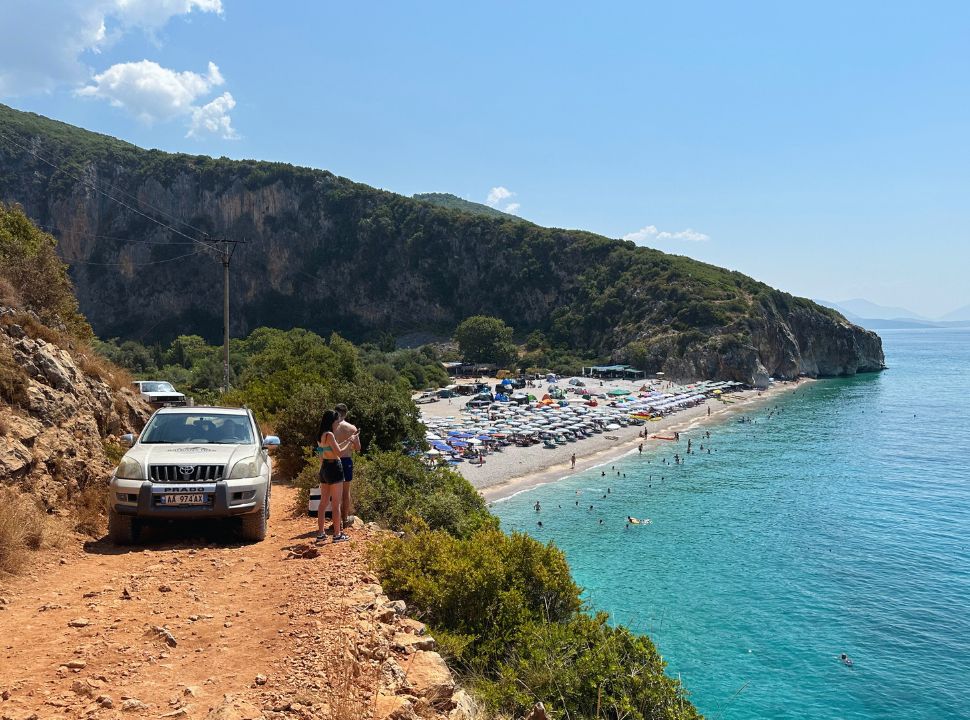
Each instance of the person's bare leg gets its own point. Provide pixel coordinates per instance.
(321, 510)
(345, 505)
(336, 504)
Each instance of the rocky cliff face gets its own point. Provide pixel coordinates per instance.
(52, 443)
(324, 253)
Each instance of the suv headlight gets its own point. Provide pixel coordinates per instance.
(130, 469)
(246, 468)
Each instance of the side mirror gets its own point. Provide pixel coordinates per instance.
(271, 441)
(128, 439)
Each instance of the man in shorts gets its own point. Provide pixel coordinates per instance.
(343, 431)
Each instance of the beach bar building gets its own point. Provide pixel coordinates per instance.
(613, 371)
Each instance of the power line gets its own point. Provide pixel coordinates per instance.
(135, 241)
(145, 264)
(109, 196)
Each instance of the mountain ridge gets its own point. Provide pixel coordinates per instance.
(326, 253)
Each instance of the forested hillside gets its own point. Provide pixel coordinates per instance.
(325, 253)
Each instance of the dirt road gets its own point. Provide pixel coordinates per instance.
(171, 627)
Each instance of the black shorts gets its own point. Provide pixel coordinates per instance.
(331, 472)
(348, 465)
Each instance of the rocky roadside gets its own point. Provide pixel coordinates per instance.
(190, 627)
(52, 441)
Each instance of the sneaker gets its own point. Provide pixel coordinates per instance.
(321, 537)
(342, 537)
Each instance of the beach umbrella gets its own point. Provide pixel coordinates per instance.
(459, 443)
(616, 392)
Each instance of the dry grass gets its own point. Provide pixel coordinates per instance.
(9, 295)
(13, 378)
(348, 679)
(104, 370)
(37, 329)
(90, 509)
(113, 451)
(24, 526)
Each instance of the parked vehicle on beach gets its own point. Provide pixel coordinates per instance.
(425, 398)
(200, 463)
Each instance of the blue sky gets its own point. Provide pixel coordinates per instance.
(822, 148)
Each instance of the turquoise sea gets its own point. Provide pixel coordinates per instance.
(837, 521)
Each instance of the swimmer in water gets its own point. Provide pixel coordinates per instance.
(603, 474)
(846, 660)
(539, 523)
(537, 506)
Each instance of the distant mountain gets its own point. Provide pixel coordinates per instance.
(959, 315)
(453, 202)
(321, 252)
(868, 309)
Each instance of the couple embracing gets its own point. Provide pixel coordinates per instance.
(337, 441)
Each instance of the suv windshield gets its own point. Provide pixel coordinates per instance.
(150, 387)
(198, 428)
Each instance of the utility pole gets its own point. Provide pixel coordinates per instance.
(226, 257)
(229, 247)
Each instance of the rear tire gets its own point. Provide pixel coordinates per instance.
(123, 529)
(254, 525)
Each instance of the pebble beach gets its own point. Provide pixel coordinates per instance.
(515, 469)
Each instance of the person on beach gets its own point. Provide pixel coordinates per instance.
(331, 476)
(343, 431)
(573, 461)
(641, 448)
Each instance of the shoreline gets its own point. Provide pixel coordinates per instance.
(549, 466)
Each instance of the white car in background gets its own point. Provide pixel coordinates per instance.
(199, 463)
(158, 393)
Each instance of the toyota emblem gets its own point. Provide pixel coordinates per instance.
(186, 470)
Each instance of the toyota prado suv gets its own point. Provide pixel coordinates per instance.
(197, 463)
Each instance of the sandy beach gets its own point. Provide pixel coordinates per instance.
(515, 469)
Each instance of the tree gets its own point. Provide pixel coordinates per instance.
(486, 339)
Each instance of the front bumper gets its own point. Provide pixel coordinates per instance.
(226, 498)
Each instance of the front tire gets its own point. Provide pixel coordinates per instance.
(123, 529)
(254, 525)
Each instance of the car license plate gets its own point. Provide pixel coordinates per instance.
(182, 499)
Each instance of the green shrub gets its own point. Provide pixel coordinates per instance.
(391, 488)
(30, 266)
(585, 668)
(477, 593)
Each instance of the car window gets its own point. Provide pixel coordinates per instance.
(150, 387)
(202, 428)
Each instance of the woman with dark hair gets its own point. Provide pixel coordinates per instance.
(331, 476)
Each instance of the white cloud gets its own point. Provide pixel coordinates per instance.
(153, 93)
(48, 41)
(213, 119)
(498, 195)
(650, 233)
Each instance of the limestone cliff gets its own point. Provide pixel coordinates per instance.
(328, 254)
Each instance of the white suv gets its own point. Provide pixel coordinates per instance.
(196, 463)
(158, 393)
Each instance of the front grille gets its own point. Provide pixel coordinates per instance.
(176, 473)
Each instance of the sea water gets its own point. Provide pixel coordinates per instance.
(838, 520)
